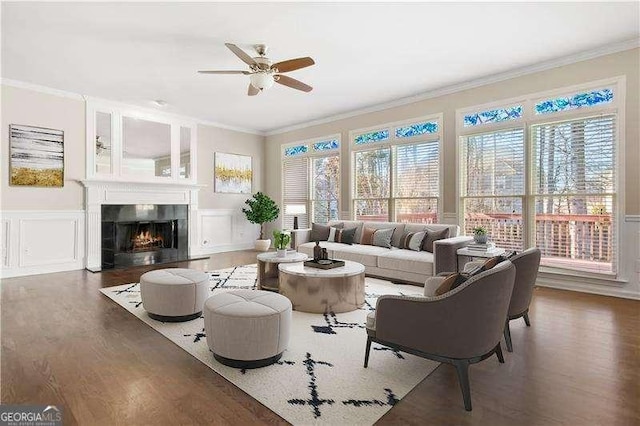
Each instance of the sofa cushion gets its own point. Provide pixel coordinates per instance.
(367, 255)
(348, 224)
(367, 236)
(397, 234)
(321, 232)
(419, 262)
(432, 236)
(382, 237)
(412, 240)
(345, 236)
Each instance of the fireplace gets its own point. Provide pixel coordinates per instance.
(143, 234)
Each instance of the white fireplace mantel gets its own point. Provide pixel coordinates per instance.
(99, 192)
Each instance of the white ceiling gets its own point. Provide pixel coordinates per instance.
(365, 53)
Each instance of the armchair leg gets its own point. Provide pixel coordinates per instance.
(366, 353)
(462, 367)
(499, 353)
(507, 337)
(526, 319)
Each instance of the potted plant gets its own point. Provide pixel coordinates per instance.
(281, 240)
(262, 209)
(480, 235)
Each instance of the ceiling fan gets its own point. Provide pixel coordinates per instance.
(263, 73)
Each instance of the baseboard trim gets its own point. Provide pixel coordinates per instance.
(41, 269)
(602, 290)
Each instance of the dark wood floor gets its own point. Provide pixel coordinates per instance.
(64, 343)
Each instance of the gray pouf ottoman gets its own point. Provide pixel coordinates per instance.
(247, 328)
(174, 295)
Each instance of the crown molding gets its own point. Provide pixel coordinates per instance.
(41, 89)
(471, 84)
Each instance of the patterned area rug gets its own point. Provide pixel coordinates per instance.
(320, 378)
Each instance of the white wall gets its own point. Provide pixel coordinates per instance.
(43, 228)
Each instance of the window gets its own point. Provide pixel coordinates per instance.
(548, 179)
(493, 185)
(311, 177)
(398, 177)
(574, 192)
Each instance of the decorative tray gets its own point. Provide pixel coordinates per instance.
(324, 263)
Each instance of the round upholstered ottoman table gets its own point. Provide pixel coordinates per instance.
(174, 295)
(247, 328)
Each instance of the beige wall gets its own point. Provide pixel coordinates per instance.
(20, 106)
(214, 139)
(624, 63)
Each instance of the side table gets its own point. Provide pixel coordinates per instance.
(465, 252)
(268, 274)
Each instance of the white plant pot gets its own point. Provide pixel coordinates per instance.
(281, 253)
(262, 245)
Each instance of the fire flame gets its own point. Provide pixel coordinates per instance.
(146, 240)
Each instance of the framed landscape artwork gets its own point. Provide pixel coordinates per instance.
(232, 173)
(36, 156)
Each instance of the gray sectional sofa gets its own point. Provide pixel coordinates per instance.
(396, 264)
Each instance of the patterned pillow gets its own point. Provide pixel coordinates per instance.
(367, 236)
(433, 236)
(382, 237)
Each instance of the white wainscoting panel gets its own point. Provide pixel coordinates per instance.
(39, 242)
(223, 230)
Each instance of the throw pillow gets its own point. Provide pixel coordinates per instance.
(415, 243)
(319, 232)
(345, 236)
(451, 282)
(404, 240)
(382, 237)
(367, 236)
(432, 236)
(332, 233)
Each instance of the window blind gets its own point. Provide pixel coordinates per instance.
(492, 187)
(416, 182)
(296, 189)
(325, 188)
(372, 184)
(574, 188)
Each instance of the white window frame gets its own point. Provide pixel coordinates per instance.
(310, 154)
(390, 143)
(526, 122)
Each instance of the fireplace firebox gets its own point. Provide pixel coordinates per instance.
(143, 234)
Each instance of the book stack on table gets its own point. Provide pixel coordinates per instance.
(488, 248)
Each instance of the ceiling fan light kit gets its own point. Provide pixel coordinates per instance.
(262, 80)
(263, 73)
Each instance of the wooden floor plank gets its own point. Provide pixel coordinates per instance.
(64, 343)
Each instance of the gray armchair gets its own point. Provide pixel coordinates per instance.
(461, 327)
(527, 264)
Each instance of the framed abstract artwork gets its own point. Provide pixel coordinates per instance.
(36, 156)
(233, 173)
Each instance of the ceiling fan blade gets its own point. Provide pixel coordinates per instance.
(252, 90)
(225, 72)
(241, 54)
(293, 83)
(293, 64)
